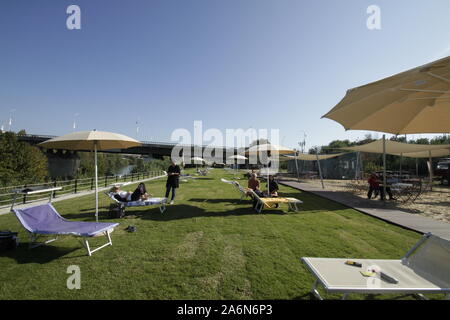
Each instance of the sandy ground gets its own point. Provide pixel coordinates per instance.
(433, 204)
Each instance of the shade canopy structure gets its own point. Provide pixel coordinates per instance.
(313, 157)
(399, 148)
(403, 150)
(414, 101)
(436, 153)
(91, 140)
(268, 147)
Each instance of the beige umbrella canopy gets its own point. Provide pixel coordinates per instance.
(313, 157)
(91, 140)
(436, 153)
(86, 140)
(415, 101)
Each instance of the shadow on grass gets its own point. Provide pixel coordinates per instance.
(183, 211)
(43, 254)
(306, 296)
(89, 215)
(232, 200)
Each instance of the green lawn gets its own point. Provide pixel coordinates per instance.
(206, 246)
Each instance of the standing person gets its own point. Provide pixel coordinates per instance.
(173, 175)
(374, 185)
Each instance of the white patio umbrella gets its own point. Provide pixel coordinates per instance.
(196, 160)
(91, 140)
(414, 101)
(237, 157)
(273, 149)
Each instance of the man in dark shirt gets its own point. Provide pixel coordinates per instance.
(273, 187)
(173, 175)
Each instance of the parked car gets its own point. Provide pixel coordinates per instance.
(443, 170)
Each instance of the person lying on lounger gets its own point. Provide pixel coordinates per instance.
(126, 196)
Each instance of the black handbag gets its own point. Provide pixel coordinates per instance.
(116, 211)
(8, 240)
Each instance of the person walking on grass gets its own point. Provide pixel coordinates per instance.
(173, 177)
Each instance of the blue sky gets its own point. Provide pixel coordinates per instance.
(230, 63)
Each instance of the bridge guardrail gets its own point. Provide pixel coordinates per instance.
(70, 186)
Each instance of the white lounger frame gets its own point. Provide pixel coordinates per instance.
(242, 191)
(346, 291)
(260, 205)
(122, 205)
(84, 240)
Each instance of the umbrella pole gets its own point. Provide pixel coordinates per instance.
(401, 160)
(356, 167)
(96, 182)
(320, 170)
(431, 170)
(417, 167)
(384, 167)
(296, 166)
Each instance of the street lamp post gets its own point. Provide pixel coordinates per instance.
(10, 119)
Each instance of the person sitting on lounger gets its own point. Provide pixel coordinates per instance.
(254, 184)
(273, 187)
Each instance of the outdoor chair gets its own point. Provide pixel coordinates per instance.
(202, 172)
(44, 220)
(425, 268)
(271, 203)
(139, 203)
(242, 191)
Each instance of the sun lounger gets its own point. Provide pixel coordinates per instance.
(202, 172)
(149, 202)
(270, 203)
(425, 268)
(242, 191)
(45, 220)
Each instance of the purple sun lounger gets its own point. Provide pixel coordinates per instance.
(45, 220)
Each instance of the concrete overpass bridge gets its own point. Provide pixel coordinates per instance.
(148, 148)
